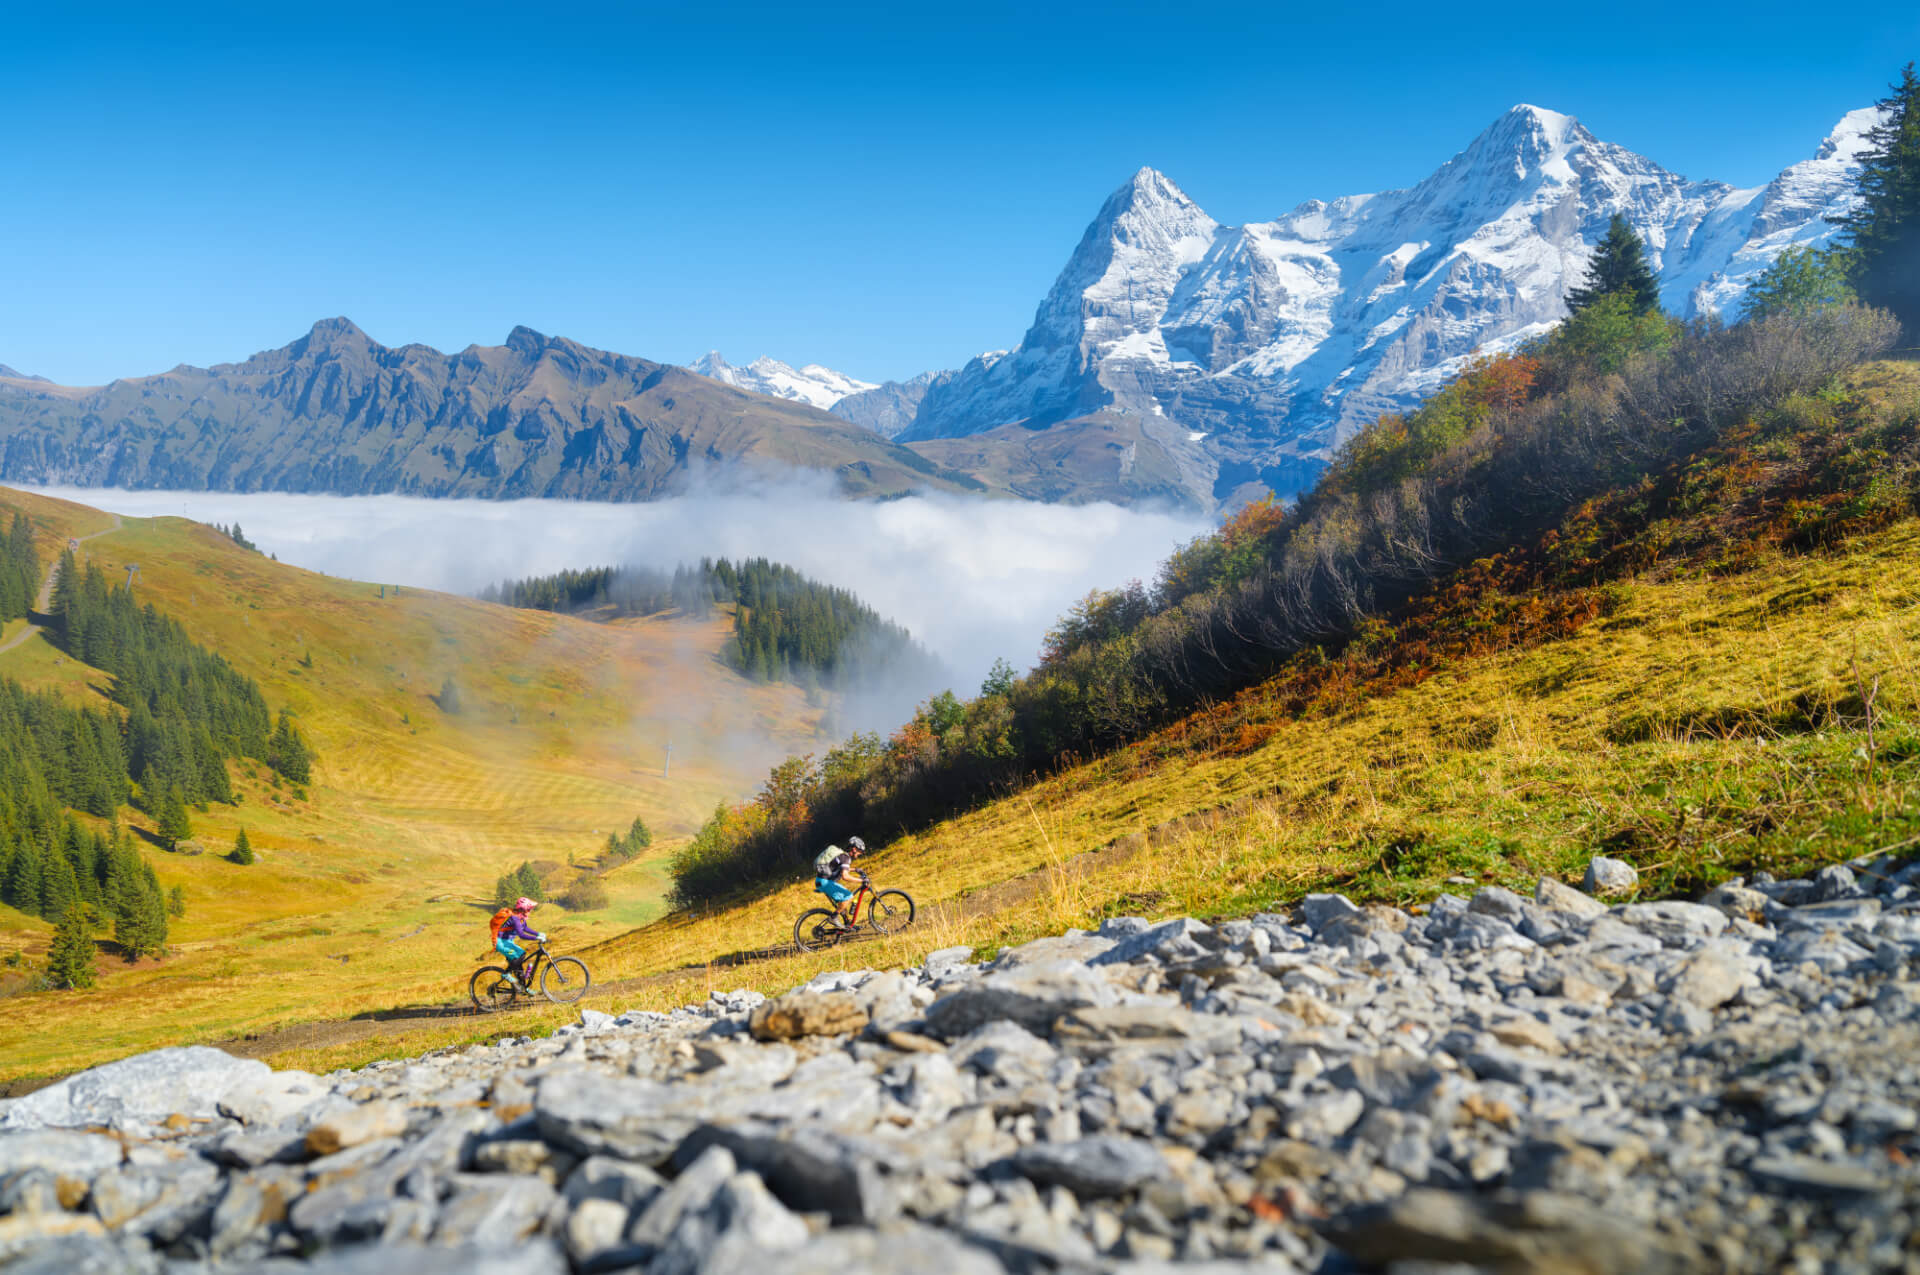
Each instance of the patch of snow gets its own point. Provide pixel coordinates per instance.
(813, 385)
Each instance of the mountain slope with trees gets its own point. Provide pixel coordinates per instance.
(365, 867)
(1505, 461)
(786, 626)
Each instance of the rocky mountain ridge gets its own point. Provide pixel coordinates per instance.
(889, 408)
(1269, 343)
(336, 411)
(1500, 1082)
(1218, 360)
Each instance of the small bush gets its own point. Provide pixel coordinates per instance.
(585, 895)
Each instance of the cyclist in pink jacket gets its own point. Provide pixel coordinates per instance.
(515, 927)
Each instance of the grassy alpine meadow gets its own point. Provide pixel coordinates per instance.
(1735, 688)
(1705, 726)
(372, 885)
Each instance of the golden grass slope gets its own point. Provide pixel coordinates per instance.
(368, 888)
(1500, 769)
(1503, 769)
(1705, 726)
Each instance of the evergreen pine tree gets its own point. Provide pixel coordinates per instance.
(1618, 265)
(287, 751)
(526, 881)
(70, 959)
(177, 901)
(22, 888)
(141, 928)
(242, 848)
(1799, 280)
(59, 891)
(172, 824)
(1883, 230)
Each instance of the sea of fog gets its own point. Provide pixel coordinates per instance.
(973, 579)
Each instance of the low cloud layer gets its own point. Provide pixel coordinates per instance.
(973, 579)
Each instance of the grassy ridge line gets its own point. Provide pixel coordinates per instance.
(366, 895)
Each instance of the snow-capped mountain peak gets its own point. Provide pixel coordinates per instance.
(1275, 340)
(1848, 140)
(813, 385)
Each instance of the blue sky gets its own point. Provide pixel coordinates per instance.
(878, 190)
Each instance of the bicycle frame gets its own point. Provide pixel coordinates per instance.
(530, 967)
(866, 891)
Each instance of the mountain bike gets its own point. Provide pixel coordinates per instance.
(562, 979)
(888, 912)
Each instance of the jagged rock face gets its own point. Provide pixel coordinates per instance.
(890, 407)
(337, 412)
(1278, 339)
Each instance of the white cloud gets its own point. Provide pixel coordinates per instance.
(972, 578)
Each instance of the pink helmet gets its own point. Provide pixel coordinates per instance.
(524, 904)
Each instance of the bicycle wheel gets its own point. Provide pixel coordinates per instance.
(890, 912)
(565, 980)
(815, 930)
(492, 989)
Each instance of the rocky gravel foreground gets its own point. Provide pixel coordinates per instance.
(1501, 1083)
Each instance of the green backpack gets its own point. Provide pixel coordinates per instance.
(823, 862)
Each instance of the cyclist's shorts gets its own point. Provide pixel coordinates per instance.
(832, 889)
(508, 948)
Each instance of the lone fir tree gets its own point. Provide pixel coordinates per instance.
(70, 958)
(242, 848)
(170, 820)
(287, 752)
(1618, 267)
(140, 912)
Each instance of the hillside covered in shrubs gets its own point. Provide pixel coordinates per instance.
(1497, 513)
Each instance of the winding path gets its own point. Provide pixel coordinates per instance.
(45, 600)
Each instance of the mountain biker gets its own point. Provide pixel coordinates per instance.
(832, 868)
(510, 924)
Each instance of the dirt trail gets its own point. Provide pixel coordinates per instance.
(399, 1020)
(982, 902)
(44, 600)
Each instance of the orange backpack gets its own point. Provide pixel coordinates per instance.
(499, 922)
